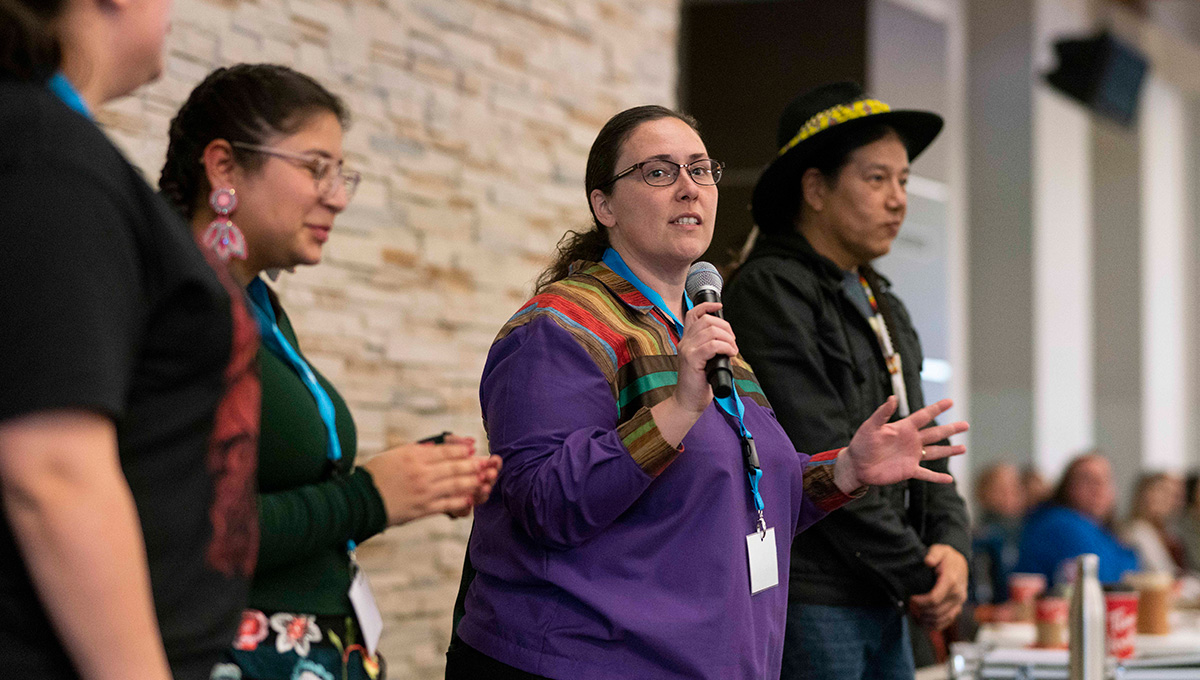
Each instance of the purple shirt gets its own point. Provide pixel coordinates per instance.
(589, 564)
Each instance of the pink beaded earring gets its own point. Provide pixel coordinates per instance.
(222, 235)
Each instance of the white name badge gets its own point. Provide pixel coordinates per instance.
(369, 619)
(764, 561)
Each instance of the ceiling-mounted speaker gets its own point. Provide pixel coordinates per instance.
(1102, 73)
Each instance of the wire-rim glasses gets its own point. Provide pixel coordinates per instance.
(658, 172)
(328, 174)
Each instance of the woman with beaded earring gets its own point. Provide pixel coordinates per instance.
(255, 163)
(128, 396)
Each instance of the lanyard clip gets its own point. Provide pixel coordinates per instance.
(762, 526)
(750, 453)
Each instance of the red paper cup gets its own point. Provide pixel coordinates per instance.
(1052, 615)
(1121, 622)
(1023, 589)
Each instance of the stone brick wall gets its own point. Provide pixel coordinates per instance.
(472, 121)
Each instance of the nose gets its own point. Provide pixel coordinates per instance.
(686, 189)
(338, 199)
(898, 197)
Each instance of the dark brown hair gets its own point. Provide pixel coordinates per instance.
(246, 103)
(601, 166)
(1145, 485)
(29, 49)
(1062, 492)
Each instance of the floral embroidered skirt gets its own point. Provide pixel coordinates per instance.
(287, 646)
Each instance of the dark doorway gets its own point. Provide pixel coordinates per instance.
(741, 62)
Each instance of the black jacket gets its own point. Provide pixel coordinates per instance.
(820, 365)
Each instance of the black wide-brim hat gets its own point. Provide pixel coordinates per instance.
(809, 124)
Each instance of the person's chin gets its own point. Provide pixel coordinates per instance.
(694, 247)
(310, 257)
(155, 67)
(879, 250)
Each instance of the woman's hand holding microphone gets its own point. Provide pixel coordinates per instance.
(704, 337)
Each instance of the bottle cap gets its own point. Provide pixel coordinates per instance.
(1089, 564)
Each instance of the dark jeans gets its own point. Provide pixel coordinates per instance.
(464, 662)
(846, 643)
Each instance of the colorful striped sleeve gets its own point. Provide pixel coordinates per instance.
(819, 485)
(646, 444)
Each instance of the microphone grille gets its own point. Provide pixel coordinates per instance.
(703, 275)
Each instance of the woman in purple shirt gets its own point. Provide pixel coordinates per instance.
(632, 532)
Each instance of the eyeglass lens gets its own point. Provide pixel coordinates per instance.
(664, 173)
(330, 179)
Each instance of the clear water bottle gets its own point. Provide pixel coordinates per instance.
(1087, 636)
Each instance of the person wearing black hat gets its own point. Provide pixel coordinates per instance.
(830, 342)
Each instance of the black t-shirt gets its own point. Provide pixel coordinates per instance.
(108, 305)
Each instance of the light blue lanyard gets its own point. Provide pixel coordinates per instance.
(280, 347)
(731, 404)
(64, 90)
(274, 340)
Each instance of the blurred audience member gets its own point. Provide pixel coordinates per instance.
(1189, 524)
(1076, 520)
(1157, 502)
(997, 533)
(1037, 490)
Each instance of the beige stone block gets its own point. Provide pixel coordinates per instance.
(329, 365)
(350, 58)
(368, 418)
(553, 12)
(411, 351)
(455, 17)
(444, 220)
(444, 113)
(468, 50)
(423, 403)
(406, 98)
(279, 51)
(334, 16)
(372, 192)
(352, 250)
(314, 60)
(240, 47)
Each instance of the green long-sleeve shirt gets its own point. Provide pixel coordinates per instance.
(306, 512)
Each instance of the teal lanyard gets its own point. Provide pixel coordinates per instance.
(731, 405)
(62, 88)
(280, 347)
(274, 341)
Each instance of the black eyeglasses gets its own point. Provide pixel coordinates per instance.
(660, 173)
(329, 175)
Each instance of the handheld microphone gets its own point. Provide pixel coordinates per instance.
(704, 285)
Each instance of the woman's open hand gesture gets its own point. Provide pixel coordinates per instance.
(882, 453)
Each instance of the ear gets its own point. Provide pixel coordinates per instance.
(602, 208)
(219, 165)
(814, 188)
